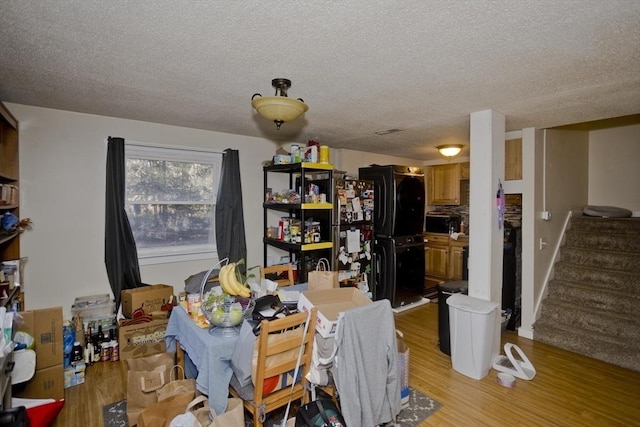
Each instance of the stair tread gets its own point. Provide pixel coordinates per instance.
(556, 284)
(628, 317)
(589, 335)
(593, 301)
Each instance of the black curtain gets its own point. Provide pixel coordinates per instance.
(120, 254)
(230, 238)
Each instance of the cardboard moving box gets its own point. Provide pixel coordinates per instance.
(47, 383)
(142, 339)
(148, 298)
(330, 303)
(45, 326)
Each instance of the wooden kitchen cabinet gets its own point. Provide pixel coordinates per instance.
(443, 184)
(465, 170)
(443, 256)
(455, 257)
(436, 256)
(513, 159)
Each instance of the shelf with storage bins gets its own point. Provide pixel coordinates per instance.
(304, 232)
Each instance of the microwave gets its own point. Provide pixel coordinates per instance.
(442, 223)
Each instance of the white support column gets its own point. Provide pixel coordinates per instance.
(487, 137)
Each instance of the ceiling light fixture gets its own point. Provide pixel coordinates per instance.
(450, 150)
(279, 108)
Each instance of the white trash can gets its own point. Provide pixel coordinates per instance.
(472, 322)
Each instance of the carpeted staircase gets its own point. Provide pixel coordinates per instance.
(593, 302)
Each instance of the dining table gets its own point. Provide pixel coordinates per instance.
(208, 353)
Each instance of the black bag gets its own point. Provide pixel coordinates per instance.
(319, 413)
(269, 302)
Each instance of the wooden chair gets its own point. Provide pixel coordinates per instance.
(276, 355)
(280, 270)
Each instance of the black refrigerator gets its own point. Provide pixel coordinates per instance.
(353, 233)
(398, 224)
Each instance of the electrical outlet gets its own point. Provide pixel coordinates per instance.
(546, 215)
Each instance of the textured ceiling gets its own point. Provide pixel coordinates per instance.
(362, 66)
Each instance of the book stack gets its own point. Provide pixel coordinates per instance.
(8, 194)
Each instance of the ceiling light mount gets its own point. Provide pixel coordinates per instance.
(279, 108)
(450, 150)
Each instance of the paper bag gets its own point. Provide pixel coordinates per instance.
(177, 386)
(207, 417)
(322, 277)
(403, 369)
(160, 414)
(145, 376)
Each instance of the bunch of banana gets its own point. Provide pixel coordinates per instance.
(229, 282)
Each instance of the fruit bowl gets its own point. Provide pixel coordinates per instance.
(226, 311)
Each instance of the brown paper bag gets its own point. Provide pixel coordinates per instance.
(232, 417)
(160, 414)
(177, 386)
(145, 376)
(322, 277)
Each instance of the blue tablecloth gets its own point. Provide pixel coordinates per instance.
(210, 352)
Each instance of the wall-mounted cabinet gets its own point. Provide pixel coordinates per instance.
(444, 183)
(465, 170)
(513, 159)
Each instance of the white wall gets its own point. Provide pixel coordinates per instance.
(350, 160)
(614, 167)
(62, 189)
(562, 187)
(62, 185)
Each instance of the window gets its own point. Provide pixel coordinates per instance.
(170, 201)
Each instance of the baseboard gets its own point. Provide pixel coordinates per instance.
(406, 307)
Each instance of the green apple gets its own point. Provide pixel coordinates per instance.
(217, 316)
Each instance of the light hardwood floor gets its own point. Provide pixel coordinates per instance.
(568, 390)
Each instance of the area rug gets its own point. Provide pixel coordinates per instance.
(115, 414)
(419, 409)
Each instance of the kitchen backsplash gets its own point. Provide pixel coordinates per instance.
(513, 213)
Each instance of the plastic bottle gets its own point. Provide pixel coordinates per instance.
(76, 353)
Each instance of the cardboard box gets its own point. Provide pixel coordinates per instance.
(330, 303)
(143, 339)
(74, 375)
(45, 326)
(149, 298)
(47, 383)
(403, 369)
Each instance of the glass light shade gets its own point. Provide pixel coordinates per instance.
(279, 108)
(450, 150)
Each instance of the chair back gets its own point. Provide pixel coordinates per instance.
(283, 274)
(278, 350)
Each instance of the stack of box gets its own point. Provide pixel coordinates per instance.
(96, 311)
(146, 310)
(74, 374)
(45, 326)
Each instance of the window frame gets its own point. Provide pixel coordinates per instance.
(150, 151)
